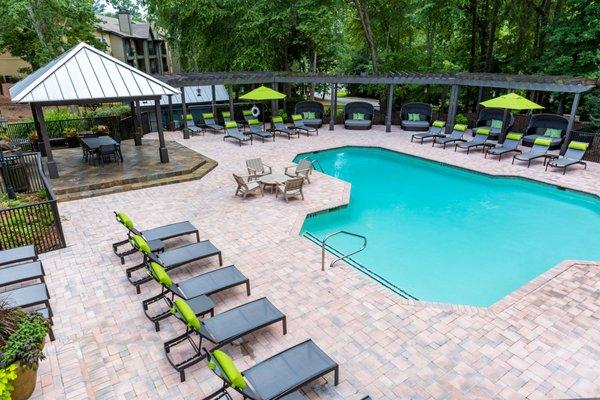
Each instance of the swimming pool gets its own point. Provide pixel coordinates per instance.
(449, 235)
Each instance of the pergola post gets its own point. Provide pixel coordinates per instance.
(453, 105)
(333, 106)
(213, 100)
(43, 132)
(137, 124)
(36, 124)
(230, 95)
(274, 103)
(162, 150)
(388, 114)
(171, 123)
(571, 123)
(186, 132)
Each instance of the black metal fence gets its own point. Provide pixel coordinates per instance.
(34, 221)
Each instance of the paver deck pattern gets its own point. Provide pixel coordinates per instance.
(543, 341)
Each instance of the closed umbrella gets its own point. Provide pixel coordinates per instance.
(510, 101)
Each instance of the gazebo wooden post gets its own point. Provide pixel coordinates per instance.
(137, 124)
(274, 103)
(171, 123)
(162, 150)
(571, 123)
(452, 107)
(186, 132)
(333, 106)
(43, 132)
(213, 101)
(36, 124)
(390, 103)
(231, 108)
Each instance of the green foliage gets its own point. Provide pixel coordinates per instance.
(9, 320)
(283, 114)
(26, 343)
(33, 222)
(7, 375)
(70, 133)
(461, 119)
(107, 111)
(39, 31)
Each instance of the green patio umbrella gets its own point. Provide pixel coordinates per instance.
(263, 93)
(510, 101)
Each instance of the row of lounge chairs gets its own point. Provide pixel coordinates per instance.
(280, 376)
(21, 266)
(482, 139)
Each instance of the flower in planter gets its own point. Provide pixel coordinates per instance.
(102, 130)
(32, 136)
(70, 133)
(26, 342)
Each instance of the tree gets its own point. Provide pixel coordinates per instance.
(40, 30)
(365, 22)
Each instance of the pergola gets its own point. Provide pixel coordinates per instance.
(85, 75)
(560, 84)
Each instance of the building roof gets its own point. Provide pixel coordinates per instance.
(194, 94)
(566, 84)
(140, 30)
(86, 74)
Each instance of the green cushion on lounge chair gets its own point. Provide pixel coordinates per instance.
(296, 117)
(229, 369)
(277, 119)
(207, 116)
(125, 220)
(140, 243)
(460, 127)
(543, 141)
(186, 312)
(514, 136)
(253, 122)
(247, 113)
(231, 124)
(161, 275)
(483, 131)
(578, 145)
(414, 117)
(438, 124)
(189, 117)
(358, 117)
(552, 133)
(496, 123)
(226, 114)
(309, 115)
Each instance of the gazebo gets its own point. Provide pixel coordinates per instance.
(85, 75)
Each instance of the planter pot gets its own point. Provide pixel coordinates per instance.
(25, 382)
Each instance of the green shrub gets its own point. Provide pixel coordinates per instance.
(461, 119)
(7, 375)
(282, 114)
(26, 343)
(108, 111)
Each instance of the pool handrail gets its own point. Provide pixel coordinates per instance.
(314, 163)
(343, 257)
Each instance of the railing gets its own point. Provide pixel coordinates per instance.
(343, 257)
(315, 164)
(36, 223)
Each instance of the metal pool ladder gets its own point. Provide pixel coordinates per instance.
(315, 164)
(343, 257)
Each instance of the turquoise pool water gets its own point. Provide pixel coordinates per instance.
(448, 235)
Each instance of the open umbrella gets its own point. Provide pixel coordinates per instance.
(263, 93)
(510, 101)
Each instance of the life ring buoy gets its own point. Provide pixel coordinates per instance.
(255, 111)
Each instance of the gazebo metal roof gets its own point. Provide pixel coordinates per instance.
(563, 84)
(85, 74)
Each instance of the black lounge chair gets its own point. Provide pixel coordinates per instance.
(480, 140)
(210, 123)
(311, 111)
(191, 289)
(221, 329)
(358, 115)
(172, 258)
(191, 127)
(153, 236)
(511, 143)
(31, 296)
(232, 132)
(436, 130)
(22, 273)
(550, 126)
(539, 149)
(279, 127)
(299, 125)
(456, 136)
(492, 119)
(277, 376)
(256, 129)
(247, 116)
(415, 116)
(572, 156)
(18, 255)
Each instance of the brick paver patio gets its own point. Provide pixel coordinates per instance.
(543, 341)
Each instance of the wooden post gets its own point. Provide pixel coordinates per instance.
(38, 130)
(171, 123)
(213, 101)
(231, 109)
(137, 124)
(390, 102)
(186, 132)
(162, 150)
(452, 108)
(43, 132)
(333, 106)
(571, 123)
(274, 103)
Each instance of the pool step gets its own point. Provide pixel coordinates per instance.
(373, 275)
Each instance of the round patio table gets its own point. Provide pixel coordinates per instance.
(272, 180)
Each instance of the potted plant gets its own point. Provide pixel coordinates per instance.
(22, 337)
(71, 136)
(102, 130)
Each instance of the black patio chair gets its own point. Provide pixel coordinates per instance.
(311, 111)
(415, 116)
(18, 255)
(549, 126)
